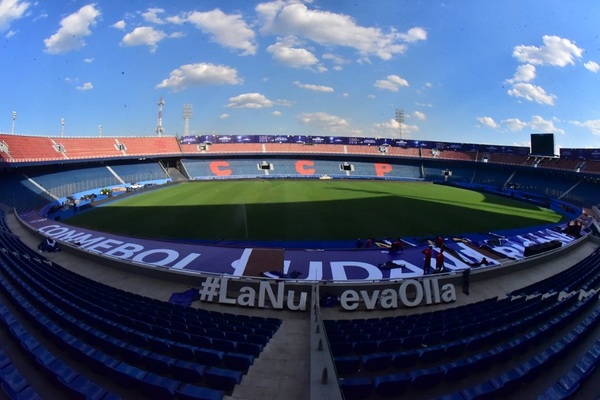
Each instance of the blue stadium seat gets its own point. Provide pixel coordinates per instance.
(193, 392)
(455, 370)
(356, 388)
(102, 363)
(455, 348)
(555, 392)
(377, 362)
(482, 391)
(404, 359)
(62, 373)
(159, 363)
(222, 379)
(365, 347)
(127, 375)
(82, 388)
(12, 379)
(347, 364)
(426, 377)
(224, 345)
(27, 393)
(570, 381)
(389, 345)
(237, 361)
(188, 371)
(392, 385)
(507, 383)
(586, 365)
(158, 387)
(183, 351)
(432, 354)
(209, 357)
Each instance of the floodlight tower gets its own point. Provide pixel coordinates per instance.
(187, 115)
(62, 127)
(159, 126)
(400, 119)
(14, 117)
(100, 130)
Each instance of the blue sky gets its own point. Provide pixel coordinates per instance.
(463, 71)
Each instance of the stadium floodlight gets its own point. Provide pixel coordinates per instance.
(187, 114)
(14, 117)
(100, 130)
(400, 119)
(62, 127)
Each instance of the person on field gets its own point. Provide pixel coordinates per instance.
(439, 262)
(465, 280)
(428, 252)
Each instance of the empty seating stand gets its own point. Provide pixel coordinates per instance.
(160, 349)
(413, 354)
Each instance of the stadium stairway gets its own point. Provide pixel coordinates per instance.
(176, 175)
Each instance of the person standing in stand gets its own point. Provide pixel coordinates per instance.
(428, 252)
(439, 262)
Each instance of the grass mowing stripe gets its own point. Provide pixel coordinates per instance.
(309, 210)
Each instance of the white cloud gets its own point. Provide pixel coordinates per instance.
(73, 29)
(88, 60)
(592, 124)
(514, 124)
(315, 88)
(151, 15)
(556, 51)
(249, 100)
(11, 10)
(524, 73)
(10, 34)
(487, 121)
(119, 25)
(592, 66)
(391, 83)
(200, 74)
(414, 35)
(331, 29)
(322, 120)
(391, 128)
(228, 30)
(85, 86)
(540, 124)
(41, 16)
(419, 115)
(143, 36)
(276, 113)
(532, 93)
(224, 116)
(292, 56)
(336, 59)
(535, 124)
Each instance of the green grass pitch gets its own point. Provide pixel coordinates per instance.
(308, 210)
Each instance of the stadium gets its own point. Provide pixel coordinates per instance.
(115, 314)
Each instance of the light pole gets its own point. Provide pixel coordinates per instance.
(187, 114)
(14, 117)
(400, 119)
(100, 130)
(62, 127)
